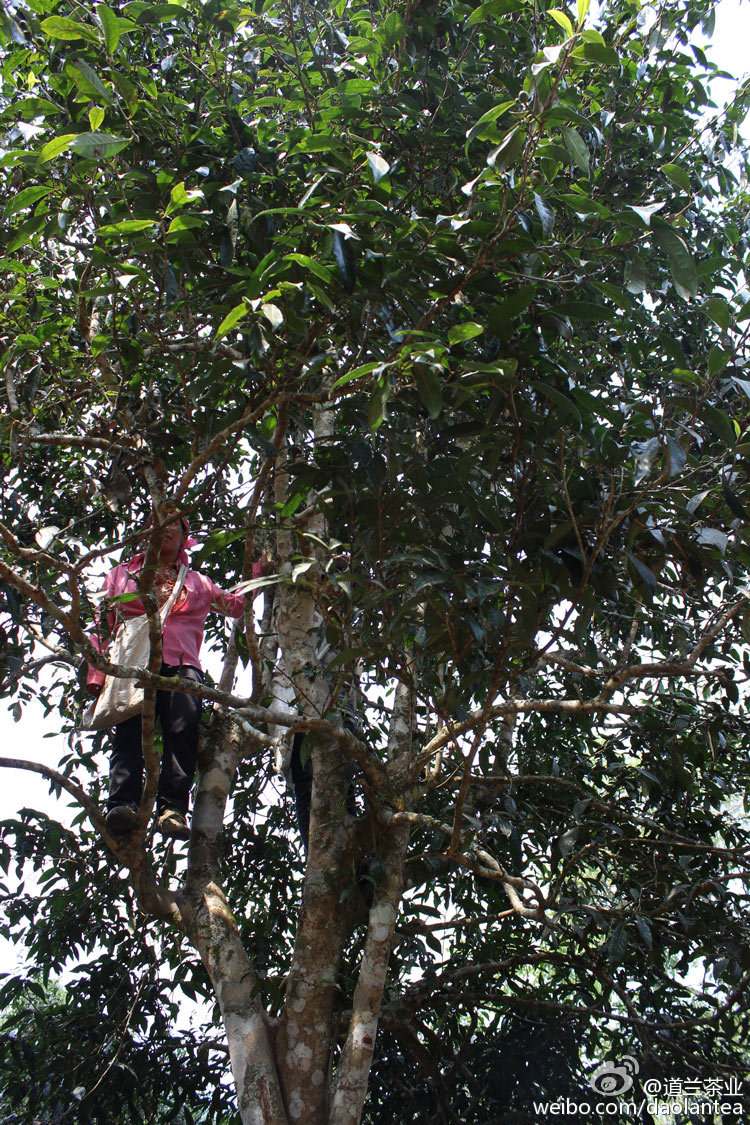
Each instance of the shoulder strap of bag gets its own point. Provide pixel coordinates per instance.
(170, 603)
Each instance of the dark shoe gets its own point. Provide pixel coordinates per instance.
(121, 819)
(173, 823)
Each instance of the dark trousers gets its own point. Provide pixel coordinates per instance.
(179, 716)
(302, 778)
(302, 782)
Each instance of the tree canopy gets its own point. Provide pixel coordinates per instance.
(443, 306)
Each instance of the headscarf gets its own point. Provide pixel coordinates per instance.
(137, 561)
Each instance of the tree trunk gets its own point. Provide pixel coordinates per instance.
(304, 1042)
(213, 930)
(356, 1056)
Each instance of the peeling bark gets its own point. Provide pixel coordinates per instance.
(213, 930)
(304, 1036)
(304, 1039)
(356, 1056)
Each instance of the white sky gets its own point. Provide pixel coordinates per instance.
(728, 48)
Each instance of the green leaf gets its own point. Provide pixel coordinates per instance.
(110, 26)
(486, 119)
(231, 320)
(315, 267)
(126, 226)
(185, 222)
(676, 175)
(180, 196)
(26, 198)
(718, 358)
(393, 30)
(98, 146)
(54, 147)
(681, 264)
(561, 19)
(356, 373)
(582, 8)
(461, 332)
(493, 9)
(89, 82)
(577, 149)
(59, 27)
(718, 310)
(582, 205)
(600, 53)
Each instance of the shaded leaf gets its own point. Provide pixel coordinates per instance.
(244, 163)
(508, 151)
(429, 389)
(644, 929)
(545, 213)
(733, 501)
(718, 310)
(681, 262)
(677, 457)
(577, 149)
(645, 573)
(345, 260)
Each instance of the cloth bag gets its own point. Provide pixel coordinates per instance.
(121, 699)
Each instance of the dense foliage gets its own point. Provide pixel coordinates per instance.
(452, 293)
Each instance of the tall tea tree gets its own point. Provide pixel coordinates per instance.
(440, 304)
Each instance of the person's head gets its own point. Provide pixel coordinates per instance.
(176, 531)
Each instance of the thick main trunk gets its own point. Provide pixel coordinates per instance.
(305, 1032)
(356, 1057)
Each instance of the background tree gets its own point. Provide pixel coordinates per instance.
(442, 305)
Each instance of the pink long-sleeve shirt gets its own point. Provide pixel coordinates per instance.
(182, 635)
